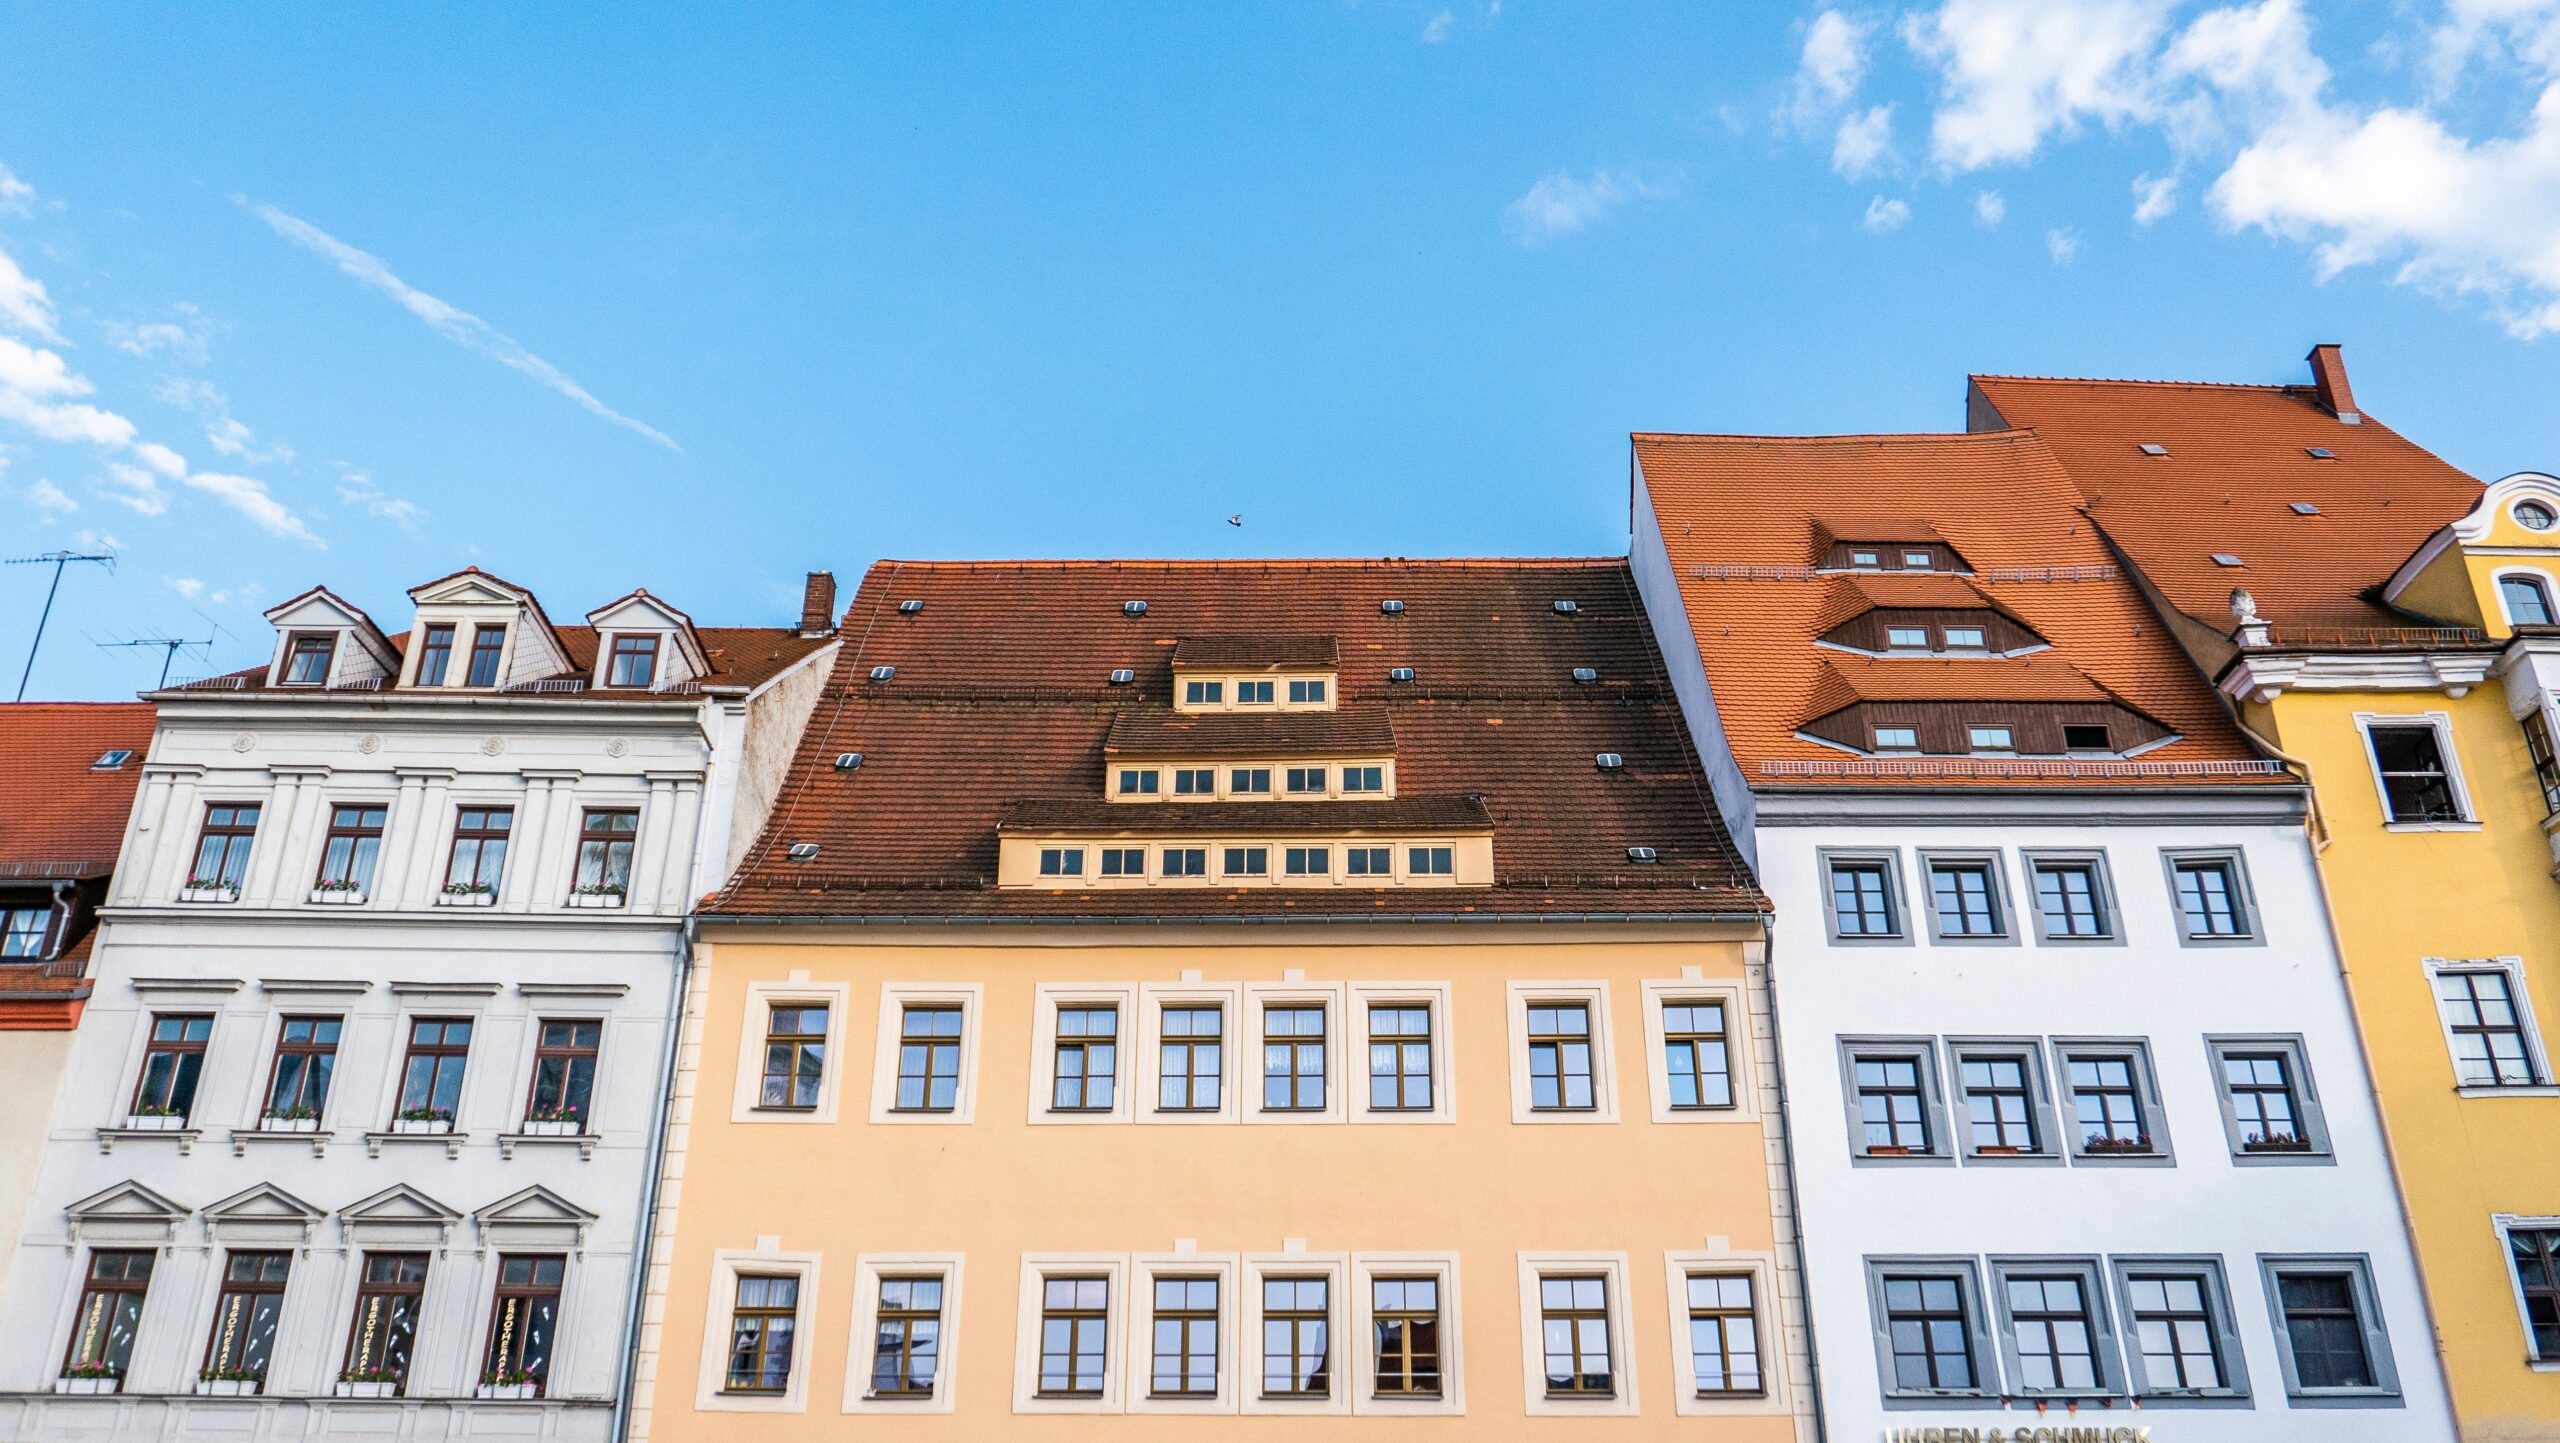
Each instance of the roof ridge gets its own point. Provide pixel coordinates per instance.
(2012, 433)
(1205, 563)
(2127, 381)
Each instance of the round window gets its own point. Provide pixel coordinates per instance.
(2534, 516)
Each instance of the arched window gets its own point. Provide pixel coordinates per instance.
(2528, 602)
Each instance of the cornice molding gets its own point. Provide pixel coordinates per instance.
(2264, 676)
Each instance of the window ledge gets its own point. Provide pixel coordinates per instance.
(451, 1142)
(584, 1142)
(2489, 1090)
(241, 1137)
(184, 1137)
(2543, 1365)
(2430, 827)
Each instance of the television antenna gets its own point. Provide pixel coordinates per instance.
(170, 647)
(57, 560)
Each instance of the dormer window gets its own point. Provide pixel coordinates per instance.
(1304, 692)
(1915, 560)
(1204, 693)
(1915, 638)
(307, 659)
(1989, 739)
(488, 643)
(1864, 558)
(1964, 638)
(1897, 739)
(634, 664)
(2086, 739)
(2528, 604)
(1253, 693)
(435, 654)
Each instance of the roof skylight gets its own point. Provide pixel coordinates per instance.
(111, 760)
(804, 851)
(1133, 608)
(2225, 558)
(2319, 453)
(1391, 607)
(848, 761)
(1608, 761)
(910, 607)
(2154, 448)
(883, 673)
(1399, 673)
(1122, 676)
(1585, 676)
(1567, 608)
(2304, 508)
(1641, 855)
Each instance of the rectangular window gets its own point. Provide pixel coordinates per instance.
(1301, 780)
(524, 1321)
(1062, 861)
(172, 1062)
(487, 642)
(1302, 693)
(2071, 900)
(2546, 766)
(1893, 1106)
(1724, 1336)
(1192, 1057)
(564, 1071)
(1364, 779)
(906, 1348)
(431, 1073)
(1367, 862)
(110, 1313)
(1964, 638)
(1862, 558)
(1249, 781)
(928, 1059)
(1560, 1057)
(1916, 560)
(1988, 739)
(306, 1055)
(22, 932)
(605, 839)
(479, 850)
(2086, 738)
(1088, 1061)
(1897, 739)
(1186, 861)
(1297, 1338)
(1195, 781)
(1204, 693)
(2107, 1105)
(1573, 1323)
(1124, 861)
(2176, 1333)
(242, 1344)
(634, 664)
(2264, 1095)
(2053, 1332)
(2210, 902)
(1400, 1058)
(1253, 693)
(1075, 1320)
(2485, 1030)
(795, 1056)
(2324, 1330)
(1404, 1319)
(1247, 862)
(1862, 902)
(1429, 861)
(306, 662)
(1307, 861)
(2000, 1105)
(384, 1331)
(354, 843)
(2417, 785)
(1907, 636)
(2535, 1252)
(435, 654)
(1185, 1353)
(222, 853)
(1138, 781)
(1965, 896)
(763, 1330)
(1693, 1049)
(1930, 1333)
(1293, 1059)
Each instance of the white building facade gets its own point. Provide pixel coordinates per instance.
(360, 1122)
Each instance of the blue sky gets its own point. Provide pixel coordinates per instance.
(603, 296)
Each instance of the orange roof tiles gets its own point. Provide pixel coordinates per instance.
(2238, 457)
(1736, 514)
(1357, 729)
(58, 817)
(1250, 653)
(740, 656)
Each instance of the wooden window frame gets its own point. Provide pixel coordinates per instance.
(234, 1322)
(936, 1048)
(506, 1352)
(1573, 1312)
(765, 1315)
(178, 1048)
(1296, 1077)
(92, 1322)
(435, 654)
(1296, 1319)
(1190, 1043)
(297, 646)
(355, 834)
(798, 1042)
(641, 650)
(236, 837)
(286, 1047)
(1082, 1045)
(1074, 1314)
(360, 1328)
(1191, 1320)
(435, 1053)
(481, 835)
(482, 648)
(1557, 1043)
(906, 1318)
(569, 1054)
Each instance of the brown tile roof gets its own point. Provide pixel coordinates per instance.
(2238, 458)
(1002, 699)
(1354, 729)
(1244, 653)
(740, 656)
(1249, 819)
(58, 818)
(1736, 513)
(1846, 596)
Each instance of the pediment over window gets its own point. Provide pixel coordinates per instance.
(125, 1213)
(480, 631)
(643, 643)
(400, 1214)
(535, 1217)
(263, 1214)
(325, 641)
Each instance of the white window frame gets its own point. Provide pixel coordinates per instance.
(1434, 996)
(1335, 1269)
(2518, 996)
(1740, 1046)
(766, 1257)
(890, 1022)
(1366, 1269)
(2503, 1224)
(1612, 1266)
(1762, 1269)
(1137, 1353)
(1148, 1070)
(1517, 999)
(1036, 1269)
(762, 998)
(2535, 574)
(863, 1338)
(1260, 997)
(1048, 1000)
(2442, 722)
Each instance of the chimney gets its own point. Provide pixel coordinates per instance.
(2329, 375)
(818, 605)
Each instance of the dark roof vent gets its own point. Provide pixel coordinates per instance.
(883, 673)
(910, 607)
(848, 761)
(1585, 676)
(1608, 761)
(1640, 855)
(804, 851)
(1399, 673)
(111, 761)
(1133, 608)
(1391, 608)
(1122, 676)
(1567, 608)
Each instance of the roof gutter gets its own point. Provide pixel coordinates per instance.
(928, 919)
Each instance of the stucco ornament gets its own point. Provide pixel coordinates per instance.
(618, 747)
(369, 743)
(491, 746)
(244, 741)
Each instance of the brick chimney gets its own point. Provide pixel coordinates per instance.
(818, 605)
(2329, 375)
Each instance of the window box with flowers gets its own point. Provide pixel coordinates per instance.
(608, 894)
(156, 1119)
(510, 1383)
(342, 892)
(291, 1119)
(89, 1378)
(468, 894)
(432, 1121)
(369, 1383)
(554, 1122)
(230, 1383)
(2275, 1142)
(2139, 1145)
(209, 889)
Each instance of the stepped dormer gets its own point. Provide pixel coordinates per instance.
(1254, 673)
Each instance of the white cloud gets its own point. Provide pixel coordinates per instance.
(250, 498)
(88, 540)
(1438, 28)
(16, 196)
(1833, 62)
(2530, 27)
(186, 586)
(37, 372)
(1886, 215)
(1562, 203)
(136, 489)
(191, 394)
(2063, 244)
(24, 306)
(228, 436)
(2012, 72)
(184, 339)
(1989, 209)
(48, 497)
(195, 589)
(2258, 56)
(2154, 198)
(65, 422)
(451, 322)
(161, 459)
(1865, 139)
(357, 489)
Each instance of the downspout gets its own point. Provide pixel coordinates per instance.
(1795, 1196)
(634, 1305)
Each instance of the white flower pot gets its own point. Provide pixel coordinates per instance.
(510, 1390)
(289, 1124)
(595, 899)
(368, 1390)
(466, 899)
(333, 897)
(228, 1387)
(208, 894)
(137, 1122)
(559, 1128)
(87, 1386)
(424, 1126)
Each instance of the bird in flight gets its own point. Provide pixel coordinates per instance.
(1236, 520)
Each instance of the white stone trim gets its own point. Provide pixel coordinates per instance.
(1137, 1351)
(1741, 1056)
(2521, 998)
(1259, 997)
(1533, 1359)
(2540, 575)
(1366, 1268)
(1518, 996)
(1767, 1327)
(767, 1258)
(2502, 1224)
(1047, 1000)
(762, 998)
(888, 1027)
(1036, 1267)
(1153, 998)
(862, 1339)
(2442, 724)
(1341, 1340)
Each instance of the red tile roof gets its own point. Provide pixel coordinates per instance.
(1249, 819)
(1356, 729)
(2238, 457)
(58, 817)
(1255, 653)
(1002, 701)
(740, 656)
(1737, 514)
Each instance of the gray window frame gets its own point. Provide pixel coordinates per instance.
(1988, 1385)
(2306, 1099)
(1896, 895)
(2220, 1314)
(2147, 1096)
(2105, 1349)
(1933, 1100)
(2385, 1392)
(2102, 883)
(2245, 895)
(2028, 1052)
(2004, 914)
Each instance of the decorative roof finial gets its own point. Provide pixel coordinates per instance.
(2252, 630)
